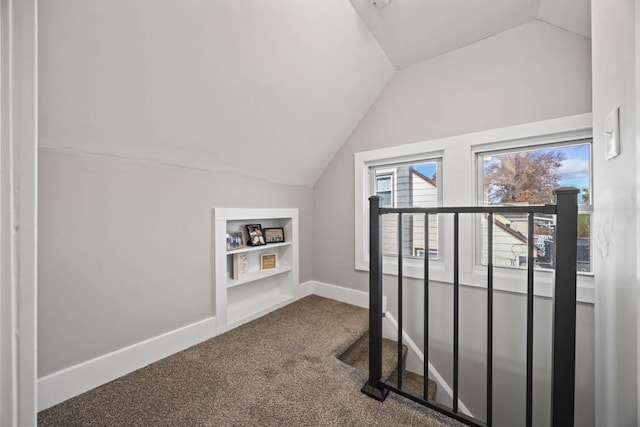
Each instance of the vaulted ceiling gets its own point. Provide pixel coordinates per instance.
(263, 88)
(412, 31)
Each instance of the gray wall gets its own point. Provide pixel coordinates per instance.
(509, 354)
(531, 73)
(207, 84)
(617, 280)
(125, 249)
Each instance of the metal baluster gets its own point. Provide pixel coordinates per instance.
(530, 263)
(399, 300)
(490, 322)
(426, 307)
(456, 286)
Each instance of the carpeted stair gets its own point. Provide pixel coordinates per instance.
(357, 355)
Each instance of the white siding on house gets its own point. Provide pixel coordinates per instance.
(424, 194)
(507, 246)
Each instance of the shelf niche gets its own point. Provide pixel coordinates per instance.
(257, 292)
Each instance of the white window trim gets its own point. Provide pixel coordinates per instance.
(458, 155)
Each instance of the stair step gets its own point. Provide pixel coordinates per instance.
(414, 383)
(357, 355)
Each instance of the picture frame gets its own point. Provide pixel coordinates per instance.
(274, 235)
(235, 240)
(255, 235)
(268, 261)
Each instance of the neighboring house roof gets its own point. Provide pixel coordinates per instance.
(502, 224)
(426, 178)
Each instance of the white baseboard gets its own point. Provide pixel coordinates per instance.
(67, 383)
(342, 294)
(257, 314)
(415, 360)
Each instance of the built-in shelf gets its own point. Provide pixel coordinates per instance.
(258, 291)
(251, 277)
(259, 248)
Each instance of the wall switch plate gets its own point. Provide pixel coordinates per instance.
(611, 131)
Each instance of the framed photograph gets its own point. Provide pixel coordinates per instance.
(274, 235)
(268, 261)
(235, 240)
(256, 236)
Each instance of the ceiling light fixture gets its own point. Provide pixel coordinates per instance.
(380, 3)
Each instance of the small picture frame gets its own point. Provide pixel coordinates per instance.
(235, 240)
(256, 235)
(274, 235)
(268, 261)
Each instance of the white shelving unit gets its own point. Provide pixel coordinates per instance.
(258, 292)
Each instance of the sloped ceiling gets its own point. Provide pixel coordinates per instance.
(264, 88)
(268, 89)
(413, 31)
(571, 15)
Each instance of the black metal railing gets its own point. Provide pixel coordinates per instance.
(564, 316)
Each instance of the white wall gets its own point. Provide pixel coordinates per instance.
(224, 85)
(637, 53)
(18, 211)
(125, 249)
(614, 78)
(531, 73)
(238, 88)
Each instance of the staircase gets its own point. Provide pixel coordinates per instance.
(357, 355)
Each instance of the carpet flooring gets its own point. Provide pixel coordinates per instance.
(279, 370)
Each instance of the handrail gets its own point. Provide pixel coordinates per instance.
(564, 321)
(546, 209)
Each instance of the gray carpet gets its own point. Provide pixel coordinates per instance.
(278, 370)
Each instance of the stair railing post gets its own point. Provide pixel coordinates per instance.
(564, 310)
(374, 387)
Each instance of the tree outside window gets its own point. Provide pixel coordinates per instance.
(531, 176)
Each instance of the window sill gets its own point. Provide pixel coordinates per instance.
(505, 279)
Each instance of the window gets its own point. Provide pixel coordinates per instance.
(384, 189)
(413, 184)
(530, 176)
(460, 165)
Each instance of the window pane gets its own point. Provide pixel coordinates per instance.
(510, 240)
(412, 235)
(384, 190)
(584, 242)
(384, 183)
(530, 177)
(409, 185)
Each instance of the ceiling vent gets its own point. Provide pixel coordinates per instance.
(380, 3)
